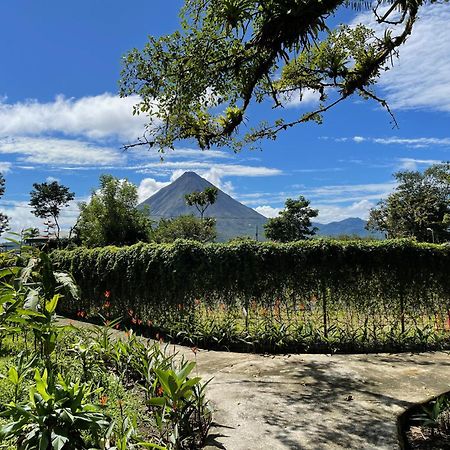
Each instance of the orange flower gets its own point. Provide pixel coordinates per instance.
(159, 391)
(107, 304)
(103, 400)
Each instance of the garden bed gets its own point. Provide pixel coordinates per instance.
(426, 426)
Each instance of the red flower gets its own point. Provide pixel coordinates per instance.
(159, 391)
(107, 294)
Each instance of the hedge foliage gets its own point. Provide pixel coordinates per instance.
(373, 293)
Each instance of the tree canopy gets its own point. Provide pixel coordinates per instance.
(198, 82)
(48, 199)
(3, 218)
(202, 200)
(293, 222)
(111, 216)
(185, 227)
(419, 207)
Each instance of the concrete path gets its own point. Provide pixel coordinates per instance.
(314, 402)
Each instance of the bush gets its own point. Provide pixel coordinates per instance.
(363, 295)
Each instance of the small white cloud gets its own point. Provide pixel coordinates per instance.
(413, 164)
(358, 139)
(149, 186)
(268, 211)
(306, 97)
(52, 179)
(5, 167)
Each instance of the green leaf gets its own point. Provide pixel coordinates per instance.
(13, 375)
(51, 305)
(157, 401)
(58, 441)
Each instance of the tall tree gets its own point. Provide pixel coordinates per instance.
(3, 217)
(185, 227)
(111, 217)
(229, 54)
(418, 208)
(202, 200)
(293, 222)
(48, 199)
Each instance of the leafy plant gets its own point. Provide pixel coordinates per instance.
(56, 417)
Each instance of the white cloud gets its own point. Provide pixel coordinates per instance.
(52, 179)
(419, 78)
(149, 186)
(96, 117)
(306, 97)
(238, 170)
(61, 152)
(268, 211)
(5, 167)
(414, 142)
(332, 213)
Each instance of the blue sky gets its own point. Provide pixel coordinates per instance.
(60, 117)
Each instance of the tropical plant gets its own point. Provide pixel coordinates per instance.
(180, 399)
(56, 417)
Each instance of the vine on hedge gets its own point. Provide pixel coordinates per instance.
(322, 294)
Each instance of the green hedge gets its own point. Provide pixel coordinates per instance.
(377, 292)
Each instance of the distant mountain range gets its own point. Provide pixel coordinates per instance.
(353, 226)
(233, 218)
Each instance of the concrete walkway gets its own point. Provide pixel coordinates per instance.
(316, 401)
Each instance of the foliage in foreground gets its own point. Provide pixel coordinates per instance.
(317, 295)
(69, 389)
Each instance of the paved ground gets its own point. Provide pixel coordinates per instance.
(315, 402)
